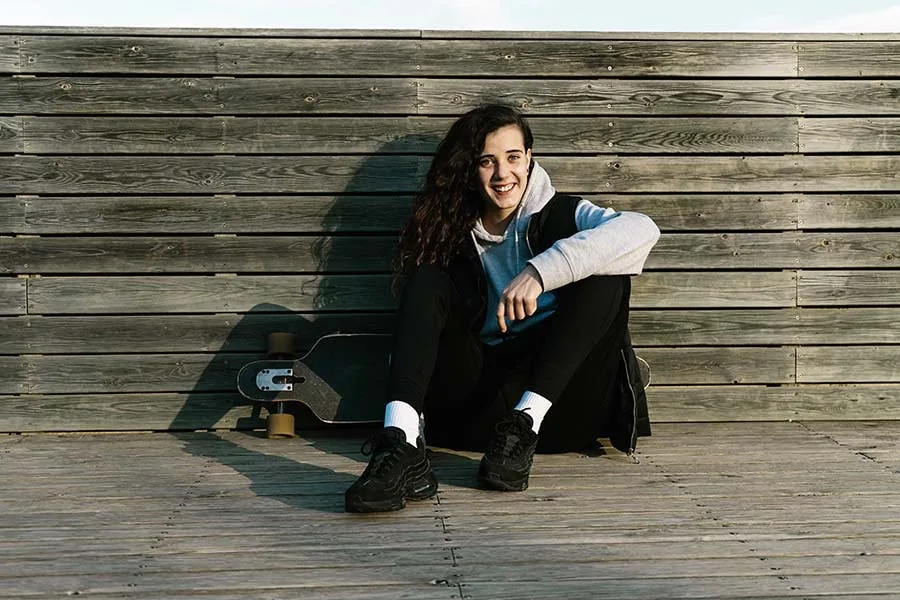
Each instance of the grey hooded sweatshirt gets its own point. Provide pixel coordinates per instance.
(607, 243)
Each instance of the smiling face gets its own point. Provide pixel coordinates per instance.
(503, 172)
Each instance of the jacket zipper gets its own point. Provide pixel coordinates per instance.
(632, 442)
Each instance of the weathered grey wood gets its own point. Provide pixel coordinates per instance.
(848, 288)
(90, 95)
(714, 290)
(206, 96)
(243, 254)
(135, 295)
(232, 135)
(205, 214)
(612, 59)
(12, 296)
(670, 97)
(133, 373)
(326, 135)
(726, 174)
(12, 139)
(690, 366)
(670, 135)
(377, 214)
(298, 56)
(402, 174)
(479, 34)
(229, 515)
(173, 294)
(125, 373)
(849, 211)
(848, 59)
(209, 174)
(849, 135)
(837, 364)
(248, 332)
(779, 326)
(128, 412)
(12, 371)
(368, 254)
(760, 403)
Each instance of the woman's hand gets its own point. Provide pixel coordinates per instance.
(519, 299)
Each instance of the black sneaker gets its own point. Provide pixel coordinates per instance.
(507, 462)
(397, 472)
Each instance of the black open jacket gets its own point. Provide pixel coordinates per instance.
(627, 416)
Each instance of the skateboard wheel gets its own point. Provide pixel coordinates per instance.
(279, 426)
(282, 345)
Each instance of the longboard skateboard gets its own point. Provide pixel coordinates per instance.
(342, 379)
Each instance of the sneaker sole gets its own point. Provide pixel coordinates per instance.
(493, 482)
(420, 490)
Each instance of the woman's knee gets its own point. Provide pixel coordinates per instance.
(611, 291)
(428, 286)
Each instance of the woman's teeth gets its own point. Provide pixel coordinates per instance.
(504, 188)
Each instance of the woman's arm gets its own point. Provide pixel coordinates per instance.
(607, 243)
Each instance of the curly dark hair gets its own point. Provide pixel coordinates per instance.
(447, 206)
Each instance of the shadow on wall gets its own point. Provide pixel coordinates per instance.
(214, 394)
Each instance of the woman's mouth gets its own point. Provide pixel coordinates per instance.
(504, 189)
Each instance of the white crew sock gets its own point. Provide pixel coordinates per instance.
(402, 415)
(536, 406)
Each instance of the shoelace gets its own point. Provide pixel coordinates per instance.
(385, 451)
(509, 429)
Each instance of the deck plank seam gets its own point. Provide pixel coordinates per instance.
(720, 519)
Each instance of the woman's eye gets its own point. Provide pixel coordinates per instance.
(514, 158)
(486, 162)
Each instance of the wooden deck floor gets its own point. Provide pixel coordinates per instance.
(779, 510)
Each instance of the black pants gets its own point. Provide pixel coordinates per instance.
(439, 365)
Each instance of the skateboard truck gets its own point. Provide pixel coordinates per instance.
(277, 380)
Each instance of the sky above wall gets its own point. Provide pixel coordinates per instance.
(541, 15)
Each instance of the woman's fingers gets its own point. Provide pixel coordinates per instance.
(519, 300)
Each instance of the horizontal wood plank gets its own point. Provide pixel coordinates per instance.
(125, 373)
(151, 373)
(212, 294)
(848, 288)
(375, 214)
(205, 214)
(762, 403)
(800, 173)
(127, 412)
(391, 135)
(242, 254)
(310, 56)
(247, 333)
(848, 59)
(188, 294)
(373, 254)
(209, 174)
(849, 135)
(278, 96)
(849, 211)
(12, 296)
(12, 139)
(670, 97)
(80, 334)
(403, 174)
(717, 365)
(206, 96)
(668, 404)
(841, 364)
(778, 326)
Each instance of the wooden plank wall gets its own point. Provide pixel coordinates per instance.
(168, 197)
